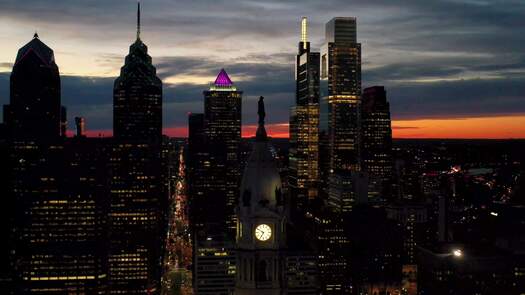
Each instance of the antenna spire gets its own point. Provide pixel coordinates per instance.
(138, 19)
(304, 31)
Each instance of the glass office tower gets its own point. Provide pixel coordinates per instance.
(304, 126)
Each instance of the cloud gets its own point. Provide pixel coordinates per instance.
(437, 58)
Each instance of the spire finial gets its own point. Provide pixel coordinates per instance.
(36, 35)
(138, 19)
(261, 131)
(304, 30)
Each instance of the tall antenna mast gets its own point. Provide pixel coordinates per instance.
(304, 32)
(138, 19)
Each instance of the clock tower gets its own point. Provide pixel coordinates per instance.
(261, 227)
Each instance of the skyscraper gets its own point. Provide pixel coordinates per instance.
(34, 110)
(222, 117)
(213, 178)
(54, 186)
(137, 218)
(137, 96)
(377, 140)
(198, 163)
(341, 94)
(304, 125)
(340, 140)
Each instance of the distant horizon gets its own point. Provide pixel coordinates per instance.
(248, 131)
(464, 80)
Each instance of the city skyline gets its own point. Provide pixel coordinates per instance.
(423, 77)
(168, 198)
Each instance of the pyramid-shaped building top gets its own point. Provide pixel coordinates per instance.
(223, 80)
(39, 48)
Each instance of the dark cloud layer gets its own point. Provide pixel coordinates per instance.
(437, 58)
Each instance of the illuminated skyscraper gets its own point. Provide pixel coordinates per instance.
(340, 139)
(304, 125)
(137, 219)
(341, 92)
(213, 178)
(377, 140)
(222, 119)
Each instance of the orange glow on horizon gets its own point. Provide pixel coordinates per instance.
(279, 130)
(498, 127)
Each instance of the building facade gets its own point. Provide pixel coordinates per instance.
(137, 96)
(340, 147)
(213, 179)
(138, 202)
(34, 110)
(341, 95)
(222, 118)
(377, 141)
(55, 187)
(261, 230)
(303, 176)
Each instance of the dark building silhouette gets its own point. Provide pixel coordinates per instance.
(374, 251)
(7, 215)
(137, 96)
(138, 202)
(55, 188)
(34, 109)
(303, 176)
(197, 155)
(455, 268)
(377, 140)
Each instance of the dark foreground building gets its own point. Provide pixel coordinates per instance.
(377, 141)
(56, 188)
(138, 201)
(449, 268)
(86, 214)
(34, 110)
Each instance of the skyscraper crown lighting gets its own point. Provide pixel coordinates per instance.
(223, 82)
(304, 32)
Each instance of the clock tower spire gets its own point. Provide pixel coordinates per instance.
(261, 234)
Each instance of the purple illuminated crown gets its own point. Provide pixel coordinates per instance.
(223, 80)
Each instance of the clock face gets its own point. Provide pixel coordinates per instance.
(263, 232)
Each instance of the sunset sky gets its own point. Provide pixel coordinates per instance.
(452, 68)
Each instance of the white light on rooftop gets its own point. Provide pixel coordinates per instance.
(457, 253)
